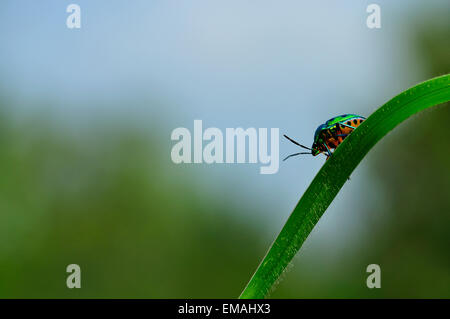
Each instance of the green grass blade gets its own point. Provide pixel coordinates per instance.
(335, 172)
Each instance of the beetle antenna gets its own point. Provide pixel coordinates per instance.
(296, 143)
(292, 155)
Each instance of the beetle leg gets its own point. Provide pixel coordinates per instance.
(329, 152)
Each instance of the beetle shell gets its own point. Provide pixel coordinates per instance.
(334, 131)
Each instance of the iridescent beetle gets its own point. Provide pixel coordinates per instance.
(329, 135)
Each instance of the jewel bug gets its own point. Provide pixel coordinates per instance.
(329, 135)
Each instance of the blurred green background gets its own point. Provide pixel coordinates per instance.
(94, 185)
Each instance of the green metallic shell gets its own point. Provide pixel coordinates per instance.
(341, 118)
(331, 123)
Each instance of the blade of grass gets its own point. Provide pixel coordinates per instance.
(335, 172)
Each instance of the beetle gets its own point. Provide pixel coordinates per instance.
(329, 135)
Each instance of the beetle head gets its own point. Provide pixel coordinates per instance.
(315, 149)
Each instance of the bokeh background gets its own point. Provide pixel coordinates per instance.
(85, 169)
